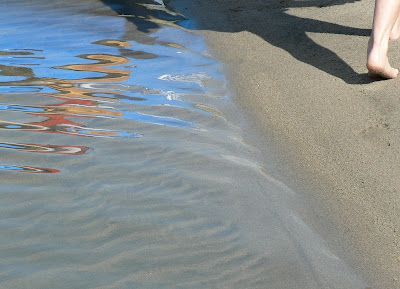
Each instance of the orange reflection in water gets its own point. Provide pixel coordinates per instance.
(77, 102)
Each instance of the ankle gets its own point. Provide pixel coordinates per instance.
(379, 42)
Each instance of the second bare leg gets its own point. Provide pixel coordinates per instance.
(385, 16)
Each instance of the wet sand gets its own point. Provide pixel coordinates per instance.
(298, 70)
(124, 164)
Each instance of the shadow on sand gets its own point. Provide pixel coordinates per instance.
(271, 17)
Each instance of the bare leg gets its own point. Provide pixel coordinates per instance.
(395, 33)
(385, 16)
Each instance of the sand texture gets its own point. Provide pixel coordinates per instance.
(298, 70)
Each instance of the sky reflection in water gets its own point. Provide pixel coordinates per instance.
(104, 83)
(124, 164)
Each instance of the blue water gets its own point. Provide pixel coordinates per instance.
(123, 163)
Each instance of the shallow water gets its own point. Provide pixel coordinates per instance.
(123, 162)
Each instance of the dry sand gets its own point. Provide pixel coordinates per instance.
(298, 70)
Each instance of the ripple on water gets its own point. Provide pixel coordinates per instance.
(133, 175)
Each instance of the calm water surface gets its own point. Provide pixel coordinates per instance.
(122, 163)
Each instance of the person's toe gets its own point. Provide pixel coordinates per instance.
(387, 71)
(394, 72)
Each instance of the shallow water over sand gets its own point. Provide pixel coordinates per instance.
(123, 164)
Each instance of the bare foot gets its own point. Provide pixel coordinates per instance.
(378, 62)
(395, 33)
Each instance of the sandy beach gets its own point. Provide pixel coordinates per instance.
(297, 68)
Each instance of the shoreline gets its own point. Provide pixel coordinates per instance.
(299, 75)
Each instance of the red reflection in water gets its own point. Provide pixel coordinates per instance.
(77, 102)
(27, 169)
